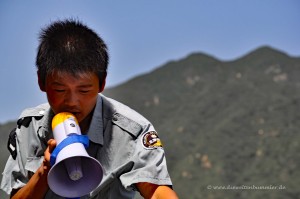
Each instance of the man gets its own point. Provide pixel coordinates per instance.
(71, 67)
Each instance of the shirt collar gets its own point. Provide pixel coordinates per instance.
(95, 131)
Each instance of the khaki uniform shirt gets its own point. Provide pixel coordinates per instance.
(119, 140)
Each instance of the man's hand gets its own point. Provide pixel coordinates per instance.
(47, 154)
(153, 191)
(37, 186)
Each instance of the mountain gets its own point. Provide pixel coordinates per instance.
(230, 129)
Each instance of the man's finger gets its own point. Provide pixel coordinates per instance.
(51, 145)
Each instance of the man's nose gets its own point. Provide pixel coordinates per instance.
(71, 99)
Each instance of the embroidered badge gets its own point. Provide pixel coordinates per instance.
(151, 140)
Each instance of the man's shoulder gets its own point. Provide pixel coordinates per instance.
(115, 108)
(36, 111)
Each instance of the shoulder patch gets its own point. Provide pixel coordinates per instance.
(151, 140)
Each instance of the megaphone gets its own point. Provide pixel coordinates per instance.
(73, 173)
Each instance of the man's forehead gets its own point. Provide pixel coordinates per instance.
(71, 74)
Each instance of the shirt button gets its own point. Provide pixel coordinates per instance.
(115, 118)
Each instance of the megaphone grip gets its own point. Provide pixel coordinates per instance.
(71, 139)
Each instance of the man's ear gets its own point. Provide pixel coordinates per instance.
(102, 85)
(41, 83)
(102, 76)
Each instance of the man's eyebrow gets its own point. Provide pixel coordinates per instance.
(85, 85)
(57, 84)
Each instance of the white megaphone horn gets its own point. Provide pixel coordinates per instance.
(74, 173)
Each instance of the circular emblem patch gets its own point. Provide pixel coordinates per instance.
(151, 140)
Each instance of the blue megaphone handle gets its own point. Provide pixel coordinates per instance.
(83, 139)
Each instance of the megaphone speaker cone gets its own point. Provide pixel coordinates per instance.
(75, 173)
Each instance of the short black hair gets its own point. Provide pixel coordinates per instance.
(70, 46)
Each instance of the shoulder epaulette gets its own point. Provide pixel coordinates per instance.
(127, 124)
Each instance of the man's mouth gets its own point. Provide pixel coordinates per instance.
(74, 112)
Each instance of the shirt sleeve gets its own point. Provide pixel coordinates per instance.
(13, 176)
(17, 170)
(149, 162)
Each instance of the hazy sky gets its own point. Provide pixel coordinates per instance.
(141, 35)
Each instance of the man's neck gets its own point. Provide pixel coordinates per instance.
(85, 124)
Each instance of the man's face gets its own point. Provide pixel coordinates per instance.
(74, 94)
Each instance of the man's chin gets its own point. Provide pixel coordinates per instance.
(78, 117)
